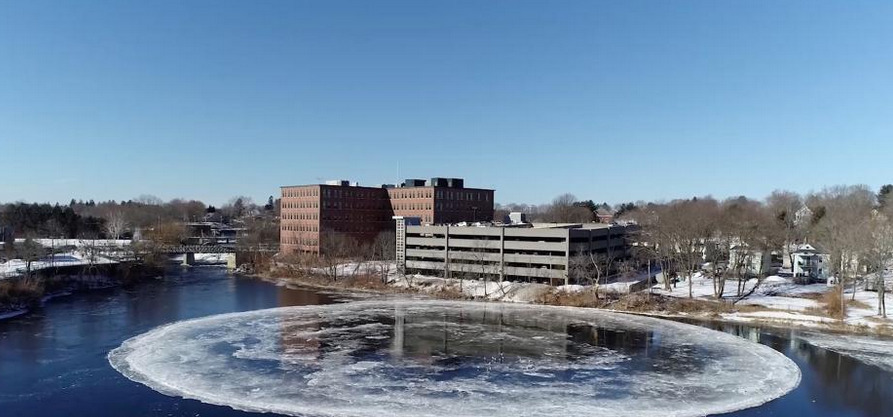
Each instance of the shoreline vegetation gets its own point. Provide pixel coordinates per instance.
(645, 303)
(17, 296)
(21, 294)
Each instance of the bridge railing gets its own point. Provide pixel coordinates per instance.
(178, 249)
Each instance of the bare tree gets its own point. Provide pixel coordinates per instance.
(746, 230)
(647, 256)
(336, 249)
(115, 224)
(843, 230)
(784, 206)
(90, 249)
(691, 227)
(149, 200)
(384, 253)
(30, 251)
(171, 233)
(653, 240)
(238, 207)
(881, 254)
(480, 257)
(260, 235)
(362, 256)
(563, 210)
(580, 270)
(588, 268)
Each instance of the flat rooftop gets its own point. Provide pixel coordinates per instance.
(382, 187)
(585, 226)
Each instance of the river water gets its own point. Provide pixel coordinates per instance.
(53, 361)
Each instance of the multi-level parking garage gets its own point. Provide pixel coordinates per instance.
(540, 253)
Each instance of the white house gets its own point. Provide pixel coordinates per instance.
(812, 262)
(752, 262)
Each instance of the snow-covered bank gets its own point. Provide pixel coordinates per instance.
(788, 302)
(117, 243)
(777, 301)
(18, 267)
(79, 257)
(870, 350)
(507, 291)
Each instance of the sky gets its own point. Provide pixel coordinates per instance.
(609, 100)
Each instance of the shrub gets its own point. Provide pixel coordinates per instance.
(20, 291)
(834, 307)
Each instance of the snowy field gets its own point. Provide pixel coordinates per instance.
(119, 243)
(789, 301)
(17, 267)
(439, 358)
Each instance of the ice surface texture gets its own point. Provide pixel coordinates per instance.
(870, 350)
(437, 358)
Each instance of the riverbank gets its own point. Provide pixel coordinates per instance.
(58, 356)
(19, 295)
(654, 303)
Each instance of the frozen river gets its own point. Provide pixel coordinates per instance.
(387, 357)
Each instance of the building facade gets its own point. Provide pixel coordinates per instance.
(309, 213)
(811, 262)
(538, 254)
(752, 262)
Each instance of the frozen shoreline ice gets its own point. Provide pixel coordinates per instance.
(435, 358)
(870, 350)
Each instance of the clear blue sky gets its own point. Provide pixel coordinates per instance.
(614, 100)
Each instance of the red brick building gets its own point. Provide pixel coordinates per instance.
(310, 212)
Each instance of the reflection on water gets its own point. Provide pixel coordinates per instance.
(461, 336)
(833, 384)
(410, 358)
(52, 362)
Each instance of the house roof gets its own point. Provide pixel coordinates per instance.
(810, 248)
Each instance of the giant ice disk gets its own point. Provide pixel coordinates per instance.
(441, 358)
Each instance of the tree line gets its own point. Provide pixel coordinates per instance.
(851, 224)
(114, 220)
(565, 208)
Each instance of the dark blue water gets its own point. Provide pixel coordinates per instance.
(53, 360)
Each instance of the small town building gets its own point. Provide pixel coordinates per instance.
(311, 213)
(540, 253)
(810, 261)
(751, 262)
(604, 216)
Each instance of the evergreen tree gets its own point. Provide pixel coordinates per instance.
(270, 205)
(884, 194)
(588, 204)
